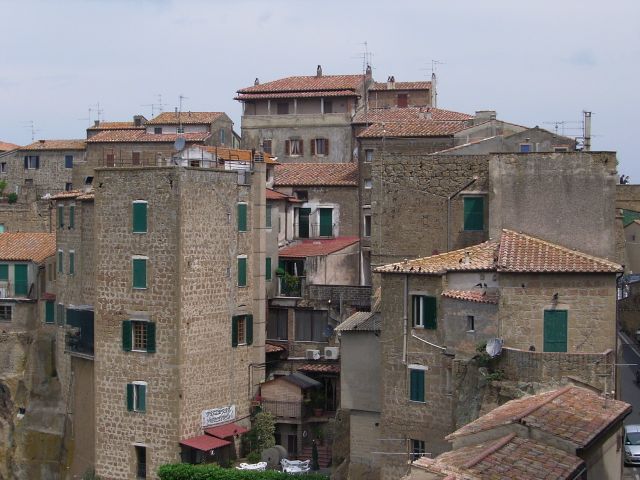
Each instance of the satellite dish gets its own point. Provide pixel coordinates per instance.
(179, 143)
(328, 331)
(494, 347)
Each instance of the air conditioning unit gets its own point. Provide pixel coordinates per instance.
(312, 354)
(331, 353)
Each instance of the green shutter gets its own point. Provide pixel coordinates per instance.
(4, 272)
(267, 268)
(268, 214)
(415, 309)
(130, 397)
(555, 330)
(416, 386)
(139, 217)
(151, 337)
(242, 217)
(72, 263)
(242, 271)
(473, 213)
(20, 279)
(249, 326)
(303, 222)
(60, 216)
(234, 331)
(60, 260)
(49, 312)
(142, 398)
(139, 273)
(72, 216)
(126, 335)
(326, 222)
(430, 313)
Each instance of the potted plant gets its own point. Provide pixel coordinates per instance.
(279, 272)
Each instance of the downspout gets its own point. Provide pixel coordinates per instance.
(405, 319)
(449, 210)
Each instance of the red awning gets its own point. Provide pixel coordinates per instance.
(226, 431)
(204, 442)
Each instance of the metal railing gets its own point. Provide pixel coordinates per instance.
(279, 409)
(287, 288)
(315, 231)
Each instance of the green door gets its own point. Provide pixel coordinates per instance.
(555, 330)
(20, 280)
(303, 222)
(326, 222)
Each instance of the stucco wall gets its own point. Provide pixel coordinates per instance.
(360, 374)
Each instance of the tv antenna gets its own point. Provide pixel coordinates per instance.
(31, 125)
(366, 56)
(560, 126)
(180, 98)
(156, 106)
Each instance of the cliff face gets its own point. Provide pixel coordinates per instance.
(32, 410)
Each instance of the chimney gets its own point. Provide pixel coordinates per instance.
(482, 116)
(139, 120)
(96, 123)
(41, 141)
(391, 83)
(319, 71)
(256, 81)
(434, 91)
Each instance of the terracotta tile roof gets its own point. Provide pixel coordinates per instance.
(116, 126)
(56, 145)
(361, 322)
(86, 196)
(510, 457)
(320, 368)
(513, 252)
(186, 118)
(413, 128)
(225, 431)
(314, 248)
(273, 348)
(321, 174)
(478, 296)
(235, 154)
(313, 94)
(378, 115)
(140, 136)
(6, 146)
(66, 195)
(307, 83)
(400, 86)
(575, 414)
(274, 195)
(27, 246)
(205, 442)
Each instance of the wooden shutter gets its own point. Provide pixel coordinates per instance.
(72, 216)
(415, 310)
(267, 268)
(326, 222)
(4, 272)
(37, 162)
(242, 217)
(72, 263)
(20, 279)
(151, 337)
(474, 213)
(60, 264)
(430, 312)
(301, 143)
(139, 273)
(139, 217)
(416, 386)
(126, 335)
(26, 162)
(130, 397)
(242, 272)
(49, 312)
(326, 146)
(268, 215)
(142, 398)
(555, 330)
(249, 328)
(60, 216)
(287, 148)
(234, 331)
(313, 146)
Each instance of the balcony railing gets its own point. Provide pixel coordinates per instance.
(294, 410)
(16, 289)
(290, 286)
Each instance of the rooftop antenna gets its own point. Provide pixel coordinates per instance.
(30, 124)
(181, 98)
(156, 106)
(367, 68)
(434, 90)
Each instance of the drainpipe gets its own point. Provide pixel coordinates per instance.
(405, 319)
(449, 210)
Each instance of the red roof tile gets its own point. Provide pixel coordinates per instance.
(56, 145)
(321, 174)
(186, 118)
(272, 95)
(27, 246)
(377, 86)
(477, 296)
(225, 431)
(320, 368)
(205, 443)
(116, 126)
(274, 195)
(572, 413)
(379, 115)
(6, 146)
(66, 195)
(314, 248)
(413, 128)
(310, 83)
(514, 252)
(140, 136)
(273, 348)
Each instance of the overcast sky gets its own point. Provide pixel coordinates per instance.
(534, 62)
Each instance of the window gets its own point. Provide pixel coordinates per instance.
(311, 325)
(3, 167)
(368, 156)
(403, 100)
(31, 162)
(139, 276)
(525, 148)
(424, 311)
(72, 216)
(49, 312)
(302, 195)
(5, 313)
(282, 108)
(267, 144)
(68, 161)
(242, 270)
(326, 222)
(471, 323)
(68, 186)
(267, 269)
(88, 180)
(418, 449)
(139, 213)
(60, 314)
(320, 146)
(416, 384)
(367, 225)
(328, 106)
(60, 260)
(242, 217)
(277, 324)
(293, 147)
(368, 184)
(60, 216)
(268, 214)
(72, 262)
(135, 158)
(222, 136)
(157, 130)
(473, 213)
(560, 149)
(28, 182)
(241, 330)
(138, 336)
(4, 273)
(137, 397)
(2, 228)
(141, 461)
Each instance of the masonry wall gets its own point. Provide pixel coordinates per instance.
(338, 268)
(364, 441)
(25, 216)
(455, 324)
(590, 300)
(389, 98)
(360, 375)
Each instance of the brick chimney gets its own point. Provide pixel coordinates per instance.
(391, 83)
(319, 71)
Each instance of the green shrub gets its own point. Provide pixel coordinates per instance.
(264, 428)
(185, 471)
(254, 457)
(12, 197)
(3, 185)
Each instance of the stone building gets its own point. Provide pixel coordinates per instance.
(100, 126)
(527, 292)
(217, 124)
(392, 94)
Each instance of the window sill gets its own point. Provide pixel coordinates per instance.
(140, 351)
(418, 402)
(139, 288)
(140, 233)
(471, 331)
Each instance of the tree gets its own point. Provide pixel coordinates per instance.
(264, 427)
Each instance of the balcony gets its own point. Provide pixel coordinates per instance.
(79, 335)
(20, 289)
(286, 410)
(291, 286)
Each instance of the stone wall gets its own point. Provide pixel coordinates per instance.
(346, 295)
(25, 216)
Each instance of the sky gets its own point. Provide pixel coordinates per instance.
(535, 63)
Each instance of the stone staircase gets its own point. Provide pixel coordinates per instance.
(324, 455)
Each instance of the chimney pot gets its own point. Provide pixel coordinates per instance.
(41, 141)
(319, 71)
(256, 81)
(96, 123)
